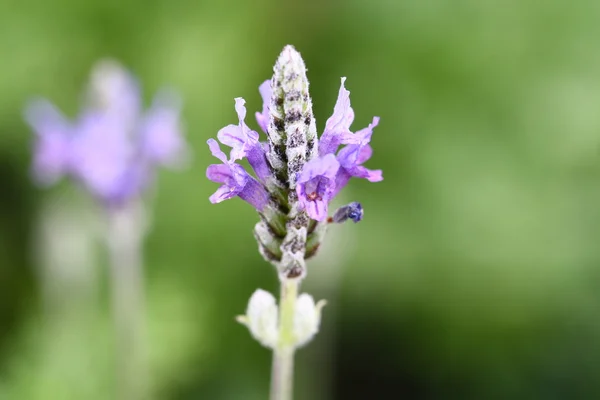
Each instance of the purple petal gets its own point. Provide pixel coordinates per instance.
(316, 184)
(237, 182)
(355, 154)
(265, 146)
(52, 145)
(265, 93)
(113, 89)
(348, 156)
(258, 162)
(233, 177)
(255, 194)
(341, 180)
(364, 154)
(338, 124)
(233, 136)
(240, 108)
(219, 173)
(161, 137)
(317, 210)
(344, 175)
(240, 138)
(215, 150)
(372, 175)
(362, 136)
(343, 115)
(102, 154)
(326, 166)
(223, 193)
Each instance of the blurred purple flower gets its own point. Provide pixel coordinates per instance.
(160, 130)
(51, 152)
(112, 148)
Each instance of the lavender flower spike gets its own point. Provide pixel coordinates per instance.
(298, 175)
(235, 181)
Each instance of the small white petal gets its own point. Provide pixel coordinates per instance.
(307, 319)
(261, 318)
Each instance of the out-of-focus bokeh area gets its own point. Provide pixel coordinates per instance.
(475, 273)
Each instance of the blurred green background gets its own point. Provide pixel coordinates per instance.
(474, 275)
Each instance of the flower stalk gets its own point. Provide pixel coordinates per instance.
(124, 236)
(283, 354)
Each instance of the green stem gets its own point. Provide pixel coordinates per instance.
(282, 375)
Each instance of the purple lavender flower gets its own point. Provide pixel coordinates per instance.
(239, 137)
(298, 175)
(350, 158)
(112, 147)
(244, 142)
(235, 180)
(316, 185)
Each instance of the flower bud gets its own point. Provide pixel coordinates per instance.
(262, 319)
(307, 318)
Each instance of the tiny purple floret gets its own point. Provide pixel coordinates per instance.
(352, 156)
(316, 185)
(244, 142)
(235, 180)
(349, 159)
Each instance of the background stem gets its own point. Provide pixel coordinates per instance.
(124, 239)
(282, 375)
